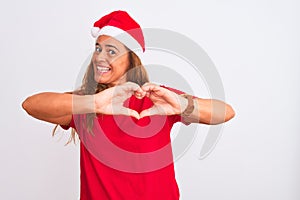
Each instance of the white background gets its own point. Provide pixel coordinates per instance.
(255, 46)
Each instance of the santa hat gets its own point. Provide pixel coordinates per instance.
(121, 26)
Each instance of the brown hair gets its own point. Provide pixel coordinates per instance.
(136, 73)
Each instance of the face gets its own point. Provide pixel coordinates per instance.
(110, 61)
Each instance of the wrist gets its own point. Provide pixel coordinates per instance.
(84, 104)
(189, 108)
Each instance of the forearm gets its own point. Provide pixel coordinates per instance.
(53, 105)
(210, 111)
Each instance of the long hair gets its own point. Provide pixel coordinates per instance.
(136, 73)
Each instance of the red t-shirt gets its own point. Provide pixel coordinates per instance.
(125, 158)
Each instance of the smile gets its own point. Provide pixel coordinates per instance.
(103, 69)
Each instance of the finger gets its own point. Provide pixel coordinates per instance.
(140, 95)
(149, 86)
(126, 90)
(130, 112)
(146, 113)
(152, 111)
(153, 88)
(130, 86)
(133, 113)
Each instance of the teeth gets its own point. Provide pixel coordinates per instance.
(103, 69)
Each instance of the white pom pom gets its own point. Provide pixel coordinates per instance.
(95, 31)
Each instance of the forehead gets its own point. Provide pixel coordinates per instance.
(108, 40)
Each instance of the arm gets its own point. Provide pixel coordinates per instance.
(57, 107)
(210, 111)
(168, 102)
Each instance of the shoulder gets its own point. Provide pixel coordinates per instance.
(172, 89)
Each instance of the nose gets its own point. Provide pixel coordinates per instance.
(100, 57)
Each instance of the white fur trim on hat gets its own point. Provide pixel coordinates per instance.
(118, 34)
(95, 31)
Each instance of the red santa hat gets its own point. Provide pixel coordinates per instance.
(121, 26)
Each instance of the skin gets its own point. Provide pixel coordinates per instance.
(110, 54)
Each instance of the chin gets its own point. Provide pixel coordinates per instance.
(98, 79)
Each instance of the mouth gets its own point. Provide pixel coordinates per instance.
(103, 69)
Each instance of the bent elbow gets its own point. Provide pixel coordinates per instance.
(26, 105)
(229, 113)
(223, 116)
(218, 113)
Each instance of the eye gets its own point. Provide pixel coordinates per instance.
(98, 49)
(111, 52)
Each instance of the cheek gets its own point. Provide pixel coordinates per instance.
(122, 64)
(94, 58)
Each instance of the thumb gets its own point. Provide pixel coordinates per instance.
(130, 112)
(151, 111)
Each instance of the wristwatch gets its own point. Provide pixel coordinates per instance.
(190, 107)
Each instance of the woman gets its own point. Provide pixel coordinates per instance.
(123, 121)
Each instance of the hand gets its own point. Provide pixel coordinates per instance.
(165, 101)
(111, 100)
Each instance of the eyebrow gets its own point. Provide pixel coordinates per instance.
(108, 45)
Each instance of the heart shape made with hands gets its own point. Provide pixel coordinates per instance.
(165, 102)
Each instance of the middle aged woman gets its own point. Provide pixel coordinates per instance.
(123, 121)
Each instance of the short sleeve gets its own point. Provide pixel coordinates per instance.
(176, 118)
(71, 124)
